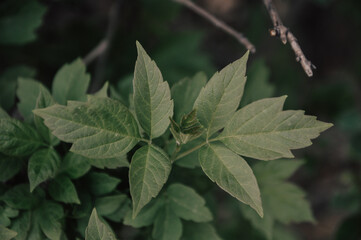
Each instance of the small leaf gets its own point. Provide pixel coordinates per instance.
(188, 204)
(152, 102)
(167, 225)
(17, 138)
(97, 229)
(220, 98)
(8, 81)
(71, 82)
(185, 93)
(231, 173)
(19, 197)
(74, 165)
(20, 28)
(99, 128)
(188, 129)
(101, 183)
(7, 234)
(148, 172)
(63, 190)
(43, 165)
(50, 216)
(263, 131)
(103, 92)
(199, 231)
(109, 204)
(9, 167)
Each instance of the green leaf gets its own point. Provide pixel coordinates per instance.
(7, 234)
(109, 204)
(63, 190)
(167, 225)
(20, 27)
(220, 98)
(71, 82)
(146, 216)
(188, 129)
(99, 128)
(190, 160)
(148, 172)
(257, 86)
(50, 216)
(152, 102)
(17, 138)
(199, 231)
(9, 167)
(8, 81)
(110, 163)
(4, 114)
(22, 225)
(188, 204)
(19, 197)
(263, 131)
(101, 183)
(44, 100)
(28, 92)
(74, 165)
(97, 229)
(185, 93)
(231, 173)
(103, 92)
(282, 201)
(43, 165)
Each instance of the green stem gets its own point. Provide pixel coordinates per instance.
(174, 154)
(145, 140)
(190, 151)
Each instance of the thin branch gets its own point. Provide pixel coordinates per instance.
(285, 34)
(218, 23)
(96, 52)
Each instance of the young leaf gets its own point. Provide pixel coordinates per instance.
(62, 189)
(167, 225)
(99, 128)
(187, 204)
(19, 197)
(74, 165)
(101, 183)
(152, 102)
(231, 173)
(71, 82)
(148, 172)
(6, 234)
(28, 92)
(199, 231)
(188, 130)
(17, 138)
(263, 131)
(185, 93)
(20, 27)
(9, 167)
(43, 165)
(8, 81)
(220, 98)
(97, 229)
(49, 219)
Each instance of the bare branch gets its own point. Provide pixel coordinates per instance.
(284, 34)
(96, 52)
(218, 23)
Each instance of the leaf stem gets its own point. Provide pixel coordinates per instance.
(145, 140)
(190, 151)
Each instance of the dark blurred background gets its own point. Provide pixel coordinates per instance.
(182, 43)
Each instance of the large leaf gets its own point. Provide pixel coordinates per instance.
(185, 92)
(99, 128)
(188, 204)
(148, 172)
(152, 102)
(262, 130)
(50, 215)
(8, 81)
(17, 138)
(71, 82)
(220, 98)
(20, 27)
(231, 173)
(97, 229)
(62, 189)
(167, 225)
(43, 165)
(75, 165)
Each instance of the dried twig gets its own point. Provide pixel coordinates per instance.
(284, 34)
(218, 23)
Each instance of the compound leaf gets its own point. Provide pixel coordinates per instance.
(231, 173)
(99, 128)
(263, 131)
(152, 102)
(148, 172)
(220, 98)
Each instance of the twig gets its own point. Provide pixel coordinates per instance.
(96, 52)
(218, 23)
(285, 34)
